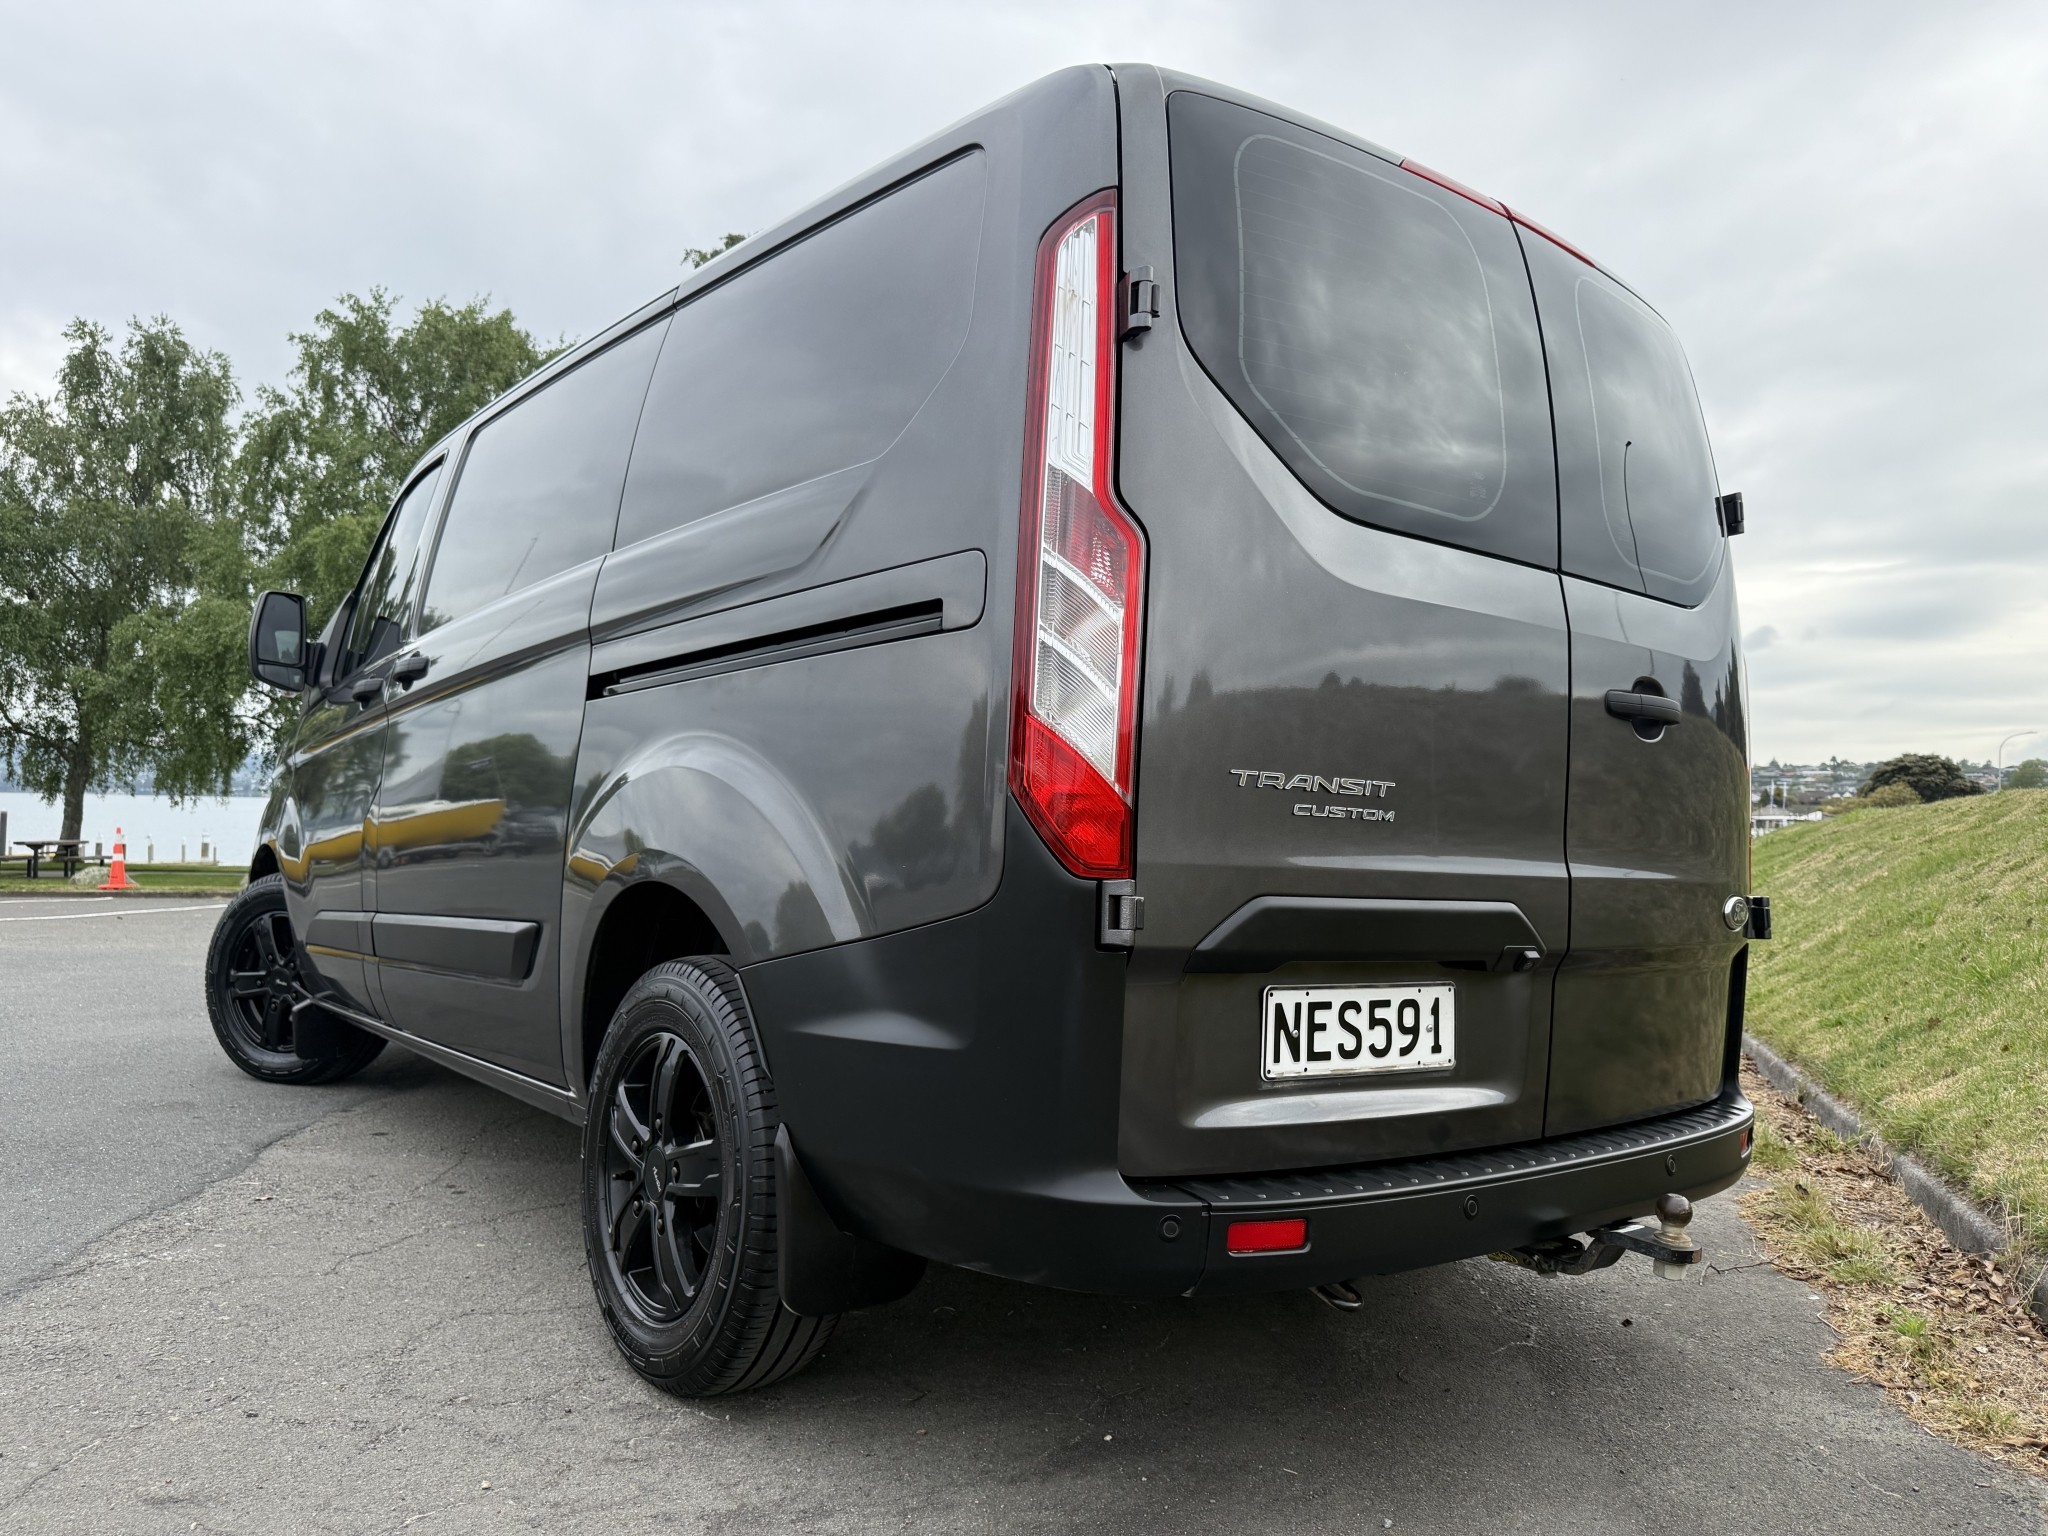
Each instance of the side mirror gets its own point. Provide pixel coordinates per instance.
(277, 641)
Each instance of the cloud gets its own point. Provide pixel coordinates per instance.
(1840, 207)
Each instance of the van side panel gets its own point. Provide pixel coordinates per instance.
(829, 795)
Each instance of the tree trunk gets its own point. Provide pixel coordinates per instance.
(77, 774)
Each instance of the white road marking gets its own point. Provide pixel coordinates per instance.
(137, 906)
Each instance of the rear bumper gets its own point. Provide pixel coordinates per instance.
(1099, 1232)
(1379, 1218)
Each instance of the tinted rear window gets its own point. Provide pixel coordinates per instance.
(539, 488)
(1376, 330)
(812, 361)
(1635, 477)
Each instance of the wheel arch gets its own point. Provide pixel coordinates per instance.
(633, 926)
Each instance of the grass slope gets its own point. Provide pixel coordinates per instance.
(1910, 975)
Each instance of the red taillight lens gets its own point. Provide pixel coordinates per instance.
(1080, 564)
(1267, 1236)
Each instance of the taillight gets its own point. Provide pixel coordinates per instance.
(1079, 567)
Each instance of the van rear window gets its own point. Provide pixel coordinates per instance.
(1376, 330)
(1635, 476)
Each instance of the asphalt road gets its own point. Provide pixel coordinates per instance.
(114, 1100)
(235, 1307)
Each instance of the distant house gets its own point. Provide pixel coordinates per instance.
(1761, 822)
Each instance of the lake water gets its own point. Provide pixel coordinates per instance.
(227, 827)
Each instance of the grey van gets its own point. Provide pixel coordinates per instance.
(1145, 699)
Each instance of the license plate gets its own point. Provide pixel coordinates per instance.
(1351, 1031)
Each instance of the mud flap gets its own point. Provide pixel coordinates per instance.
(820, 1269)
(320, 1034)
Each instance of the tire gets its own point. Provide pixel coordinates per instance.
(679, 1190)
(252, 978)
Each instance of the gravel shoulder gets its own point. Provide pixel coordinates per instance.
(1947, 1334)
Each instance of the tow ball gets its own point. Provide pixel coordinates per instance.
(1670, 1251)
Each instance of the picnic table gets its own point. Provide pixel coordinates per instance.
(65, 852)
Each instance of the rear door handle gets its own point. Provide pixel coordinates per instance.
(1646, 708)
(409, 669)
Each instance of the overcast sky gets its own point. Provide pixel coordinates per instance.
(1842, 208)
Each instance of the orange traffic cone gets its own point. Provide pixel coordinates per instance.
(117, 877)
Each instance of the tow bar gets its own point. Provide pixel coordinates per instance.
(1667, 1247)
(1670, 1252)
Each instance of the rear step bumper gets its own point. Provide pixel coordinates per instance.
(1382, 1217)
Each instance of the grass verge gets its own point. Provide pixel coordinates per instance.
(163, 879)
(1947, 1336)
(1910, 976)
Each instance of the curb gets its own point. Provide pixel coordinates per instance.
(1962, 1221)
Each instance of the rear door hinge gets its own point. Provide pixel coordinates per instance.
(1120, 913)
(1141, 300)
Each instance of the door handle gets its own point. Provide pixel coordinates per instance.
(1642, 708)
(409, 669)
(364, 689)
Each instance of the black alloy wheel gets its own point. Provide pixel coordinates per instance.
(679, 1189)
(254, 984)
(263, 983)
(663, 1172)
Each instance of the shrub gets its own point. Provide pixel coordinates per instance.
(1928, 776)
(1893, 794)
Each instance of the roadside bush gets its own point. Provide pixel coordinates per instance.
(1928, 776)
(1893, 794)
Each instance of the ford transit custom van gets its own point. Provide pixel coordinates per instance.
(1144, 699)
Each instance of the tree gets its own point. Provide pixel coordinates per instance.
(697, 255)
(2032, 774)
(115, 516)
(1928, 776)
(322, 458)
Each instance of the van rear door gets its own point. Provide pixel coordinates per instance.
(1352, 742)
(1657, 828)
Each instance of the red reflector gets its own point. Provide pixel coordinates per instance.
(1267, 1236)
